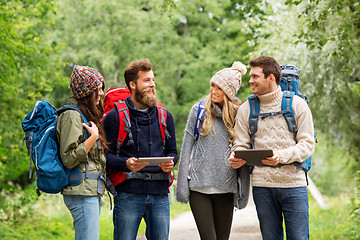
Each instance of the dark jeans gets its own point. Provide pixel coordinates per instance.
(213, 214)
(275, 204)
(130, 208)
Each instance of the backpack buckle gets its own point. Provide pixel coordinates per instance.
(148, 176)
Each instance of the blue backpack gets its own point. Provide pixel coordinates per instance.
(199, 119)
(290, 85)
(290, 80)
(40, 135)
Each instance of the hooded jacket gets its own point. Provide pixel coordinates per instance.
(70, 135)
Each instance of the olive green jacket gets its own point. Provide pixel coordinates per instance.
(70, 135)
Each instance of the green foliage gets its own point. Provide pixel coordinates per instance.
(332, 168)
(331, 32)
(43, 217)
(28, 70)
(15, 203)
(338, 222)
(354, 228)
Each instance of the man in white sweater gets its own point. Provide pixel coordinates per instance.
(279, 187)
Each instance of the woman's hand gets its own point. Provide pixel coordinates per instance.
(94, 135)
(92, 129)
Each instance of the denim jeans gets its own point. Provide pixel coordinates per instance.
(130, 208)
(275, 204)
(85, 211)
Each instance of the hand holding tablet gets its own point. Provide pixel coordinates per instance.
(254, 156)
(155, 161)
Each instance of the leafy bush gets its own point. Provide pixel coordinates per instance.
(28, 70)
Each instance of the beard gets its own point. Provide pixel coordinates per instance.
(147, 99)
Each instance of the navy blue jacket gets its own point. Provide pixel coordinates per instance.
(147, 143)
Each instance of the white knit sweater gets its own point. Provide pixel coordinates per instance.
(273, 133)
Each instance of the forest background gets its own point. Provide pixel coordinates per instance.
(188, 42)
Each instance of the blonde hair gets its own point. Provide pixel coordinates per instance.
(229, 111)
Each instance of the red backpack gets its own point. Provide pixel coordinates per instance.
(115, 97)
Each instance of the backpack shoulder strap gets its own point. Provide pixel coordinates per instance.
(199, 118)
(286, 106)
(73, 107)
(162, 115)
(253, 117)
(124, 124)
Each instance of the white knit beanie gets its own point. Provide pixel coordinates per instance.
(229, 79)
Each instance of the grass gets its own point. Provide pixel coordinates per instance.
(48, 219)
(338, 222)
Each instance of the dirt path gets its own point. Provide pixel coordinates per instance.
(245, 225)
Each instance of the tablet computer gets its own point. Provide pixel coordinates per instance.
(254, 156)
(154, 161)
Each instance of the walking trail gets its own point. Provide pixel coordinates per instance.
(245, 225)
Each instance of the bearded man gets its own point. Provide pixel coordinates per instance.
(142, 195)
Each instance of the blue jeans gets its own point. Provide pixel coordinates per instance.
(274, 204)
(130, 208)
(85, 211)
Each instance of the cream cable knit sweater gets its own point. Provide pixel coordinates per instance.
(273, 133)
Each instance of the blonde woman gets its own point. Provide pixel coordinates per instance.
(205, 178)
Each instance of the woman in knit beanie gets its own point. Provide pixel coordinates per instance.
(205, 178)
(86, 157)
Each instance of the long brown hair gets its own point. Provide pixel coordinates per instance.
(229, 111)
(94, 113)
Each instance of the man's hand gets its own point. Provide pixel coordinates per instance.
(166, 166)
(234, 162)
(133, 165)
(272, 161)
